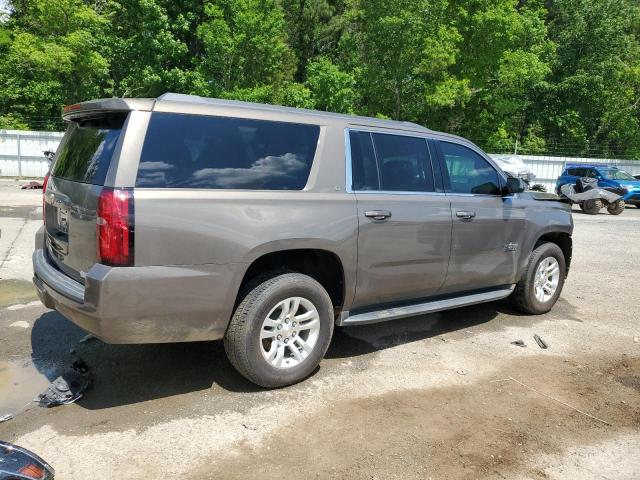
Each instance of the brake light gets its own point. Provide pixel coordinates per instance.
(115, 227)
(44, 190)
(32, 471)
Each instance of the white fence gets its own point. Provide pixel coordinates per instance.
(22, 155)
(22, 152)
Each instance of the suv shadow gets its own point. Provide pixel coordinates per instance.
(129, 374)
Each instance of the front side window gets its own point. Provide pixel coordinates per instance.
(403, 163)
(392, 163)
(197, 151)
(469, 172)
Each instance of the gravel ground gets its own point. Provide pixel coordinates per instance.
(437, 396)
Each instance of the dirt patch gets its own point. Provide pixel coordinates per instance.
(16, 291)
(490, 429)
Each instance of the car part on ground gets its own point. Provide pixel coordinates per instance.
(541, 343)
(17, 463)
(68, 387)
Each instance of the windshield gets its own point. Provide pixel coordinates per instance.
(615, 174)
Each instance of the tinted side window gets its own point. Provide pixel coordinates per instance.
(571, 171)
(403, 163)
(195, 151)
(363, 162)
(468, 171)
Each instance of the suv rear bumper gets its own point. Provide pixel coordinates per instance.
(154, 304)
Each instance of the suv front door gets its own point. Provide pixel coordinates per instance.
(487, 228)
(404, 223)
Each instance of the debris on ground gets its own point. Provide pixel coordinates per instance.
(32, 186)
(6, 417)
(541, 343)
(519, 343)
(68, 387)
(461, 372)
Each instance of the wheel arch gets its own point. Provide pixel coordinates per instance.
(323, 265)
(563, 240)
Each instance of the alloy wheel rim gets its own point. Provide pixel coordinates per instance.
(290, 332)
(546, 279)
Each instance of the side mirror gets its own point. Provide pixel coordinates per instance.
(515, 185)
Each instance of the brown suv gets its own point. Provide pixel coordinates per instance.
(184, 219)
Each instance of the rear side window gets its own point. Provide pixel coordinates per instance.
(393, 163)
(468, 171)
(87, 147)
(195, 151)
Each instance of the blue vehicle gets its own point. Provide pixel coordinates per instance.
(609, 178)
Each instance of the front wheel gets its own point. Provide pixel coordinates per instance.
(281, 330)
(542, 281)
(616, 208)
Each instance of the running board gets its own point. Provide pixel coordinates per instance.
(422, 308)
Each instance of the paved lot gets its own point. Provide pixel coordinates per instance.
(438, 396)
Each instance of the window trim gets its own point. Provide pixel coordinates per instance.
(445, 173)
(349, 166)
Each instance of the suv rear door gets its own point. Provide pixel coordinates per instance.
(77, 178)
(404, 222)
(488, 228)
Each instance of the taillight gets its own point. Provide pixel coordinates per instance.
(44, 190)
(114, 227)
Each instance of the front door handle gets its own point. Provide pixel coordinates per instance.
(377, 214)
(464, 215)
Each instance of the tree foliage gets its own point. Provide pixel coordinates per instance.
(557, 76)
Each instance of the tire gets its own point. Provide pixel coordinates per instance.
(616, 208)
(591, 207)
(524, 297)
(269, 296)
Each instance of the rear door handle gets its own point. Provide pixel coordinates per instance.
(464, 215)
(377, 214)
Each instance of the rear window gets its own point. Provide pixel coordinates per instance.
(86, 149)
(195, 151)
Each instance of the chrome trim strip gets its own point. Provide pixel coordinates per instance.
(423, 308)
(347, 157)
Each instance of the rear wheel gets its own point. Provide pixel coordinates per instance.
(616, 208)
(542, 281)
(280, 330)
(591, 207)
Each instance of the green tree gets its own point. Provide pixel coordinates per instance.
(53, 58)
(244, 45)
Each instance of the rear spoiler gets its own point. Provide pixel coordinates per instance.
(106, 105)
